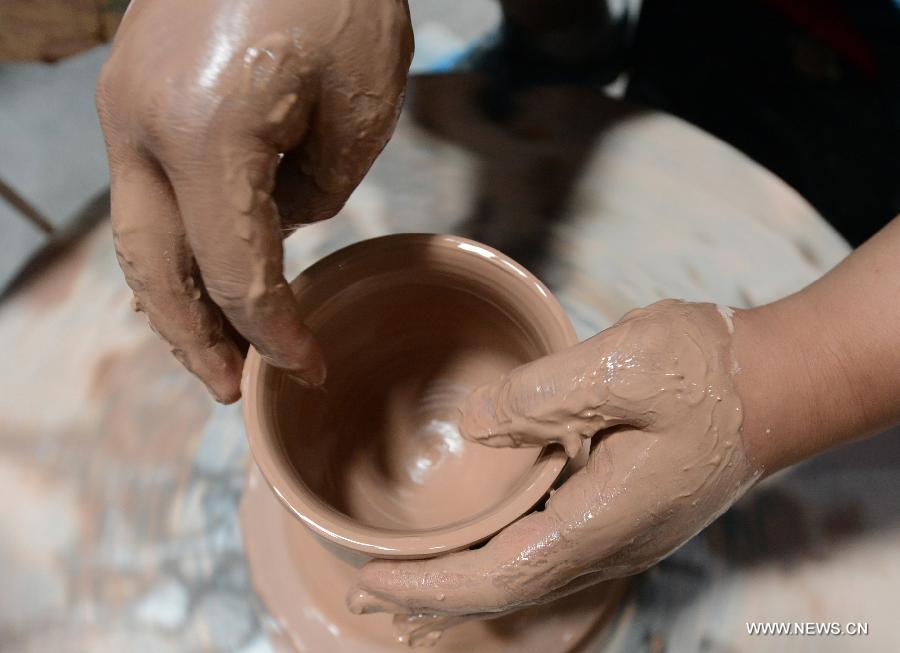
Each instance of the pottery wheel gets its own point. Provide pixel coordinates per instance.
(303, 584)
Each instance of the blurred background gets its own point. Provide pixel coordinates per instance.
(726, 151)
(810, 89)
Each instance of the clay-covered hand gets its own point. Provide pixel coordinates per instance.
(669, 459)
(229, 123)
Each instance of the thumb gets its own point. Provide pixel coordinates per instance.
(563, 398)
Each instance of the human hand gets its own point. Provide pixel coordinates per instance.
(229, 123)
(671, 458)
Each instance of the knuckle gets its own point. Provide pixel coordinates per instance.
(165, 114)
(152, 272)
(230, 297)
(178, 120)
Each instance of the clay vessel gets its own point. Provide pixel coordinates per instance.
(373, 462)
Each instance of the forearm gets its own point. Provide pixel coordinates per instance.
(822, 367)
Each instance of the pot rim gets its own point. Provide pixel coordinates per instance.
(342, 530)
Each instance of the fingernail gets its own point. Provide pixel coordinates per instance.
(307, 369)
(359, 601)
(318, 371)
(313, 376)
(304, 379)
(223, 390)
(222, 398)
(477, 415)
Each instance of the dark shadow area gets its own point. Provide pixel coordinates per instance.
(532, 142)
(808, 88)
(811, 510)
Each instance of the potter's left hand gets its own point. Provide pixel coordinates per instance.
(692, 404)
(672, 458)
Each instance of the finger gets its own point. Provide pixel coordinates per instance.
(417, 630)
(537, 555)
(559, 398)
(424, 630)
(347, 133)
(224, 193)
(474, 581)
(153, 252)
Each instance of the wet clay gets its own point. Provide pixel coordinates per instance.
(656, 367)
(381, 442)
(374, 461)
(671, 459)
(303, 584)
(228, 123)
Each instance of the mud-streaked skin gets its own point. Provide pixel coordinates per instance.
(661, 382)
(228, 123)
(693, 404)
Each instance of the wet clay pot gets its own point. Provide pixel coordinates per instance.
(409, 325)
(373, 464)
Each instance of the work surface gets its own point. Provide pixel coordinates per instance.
(120, 478)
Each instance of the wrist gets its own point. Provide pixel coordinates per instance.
(792, 382)
(764, 378)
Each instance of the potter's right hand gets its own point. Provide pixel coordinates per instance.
(229, 123)
(692, 402)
